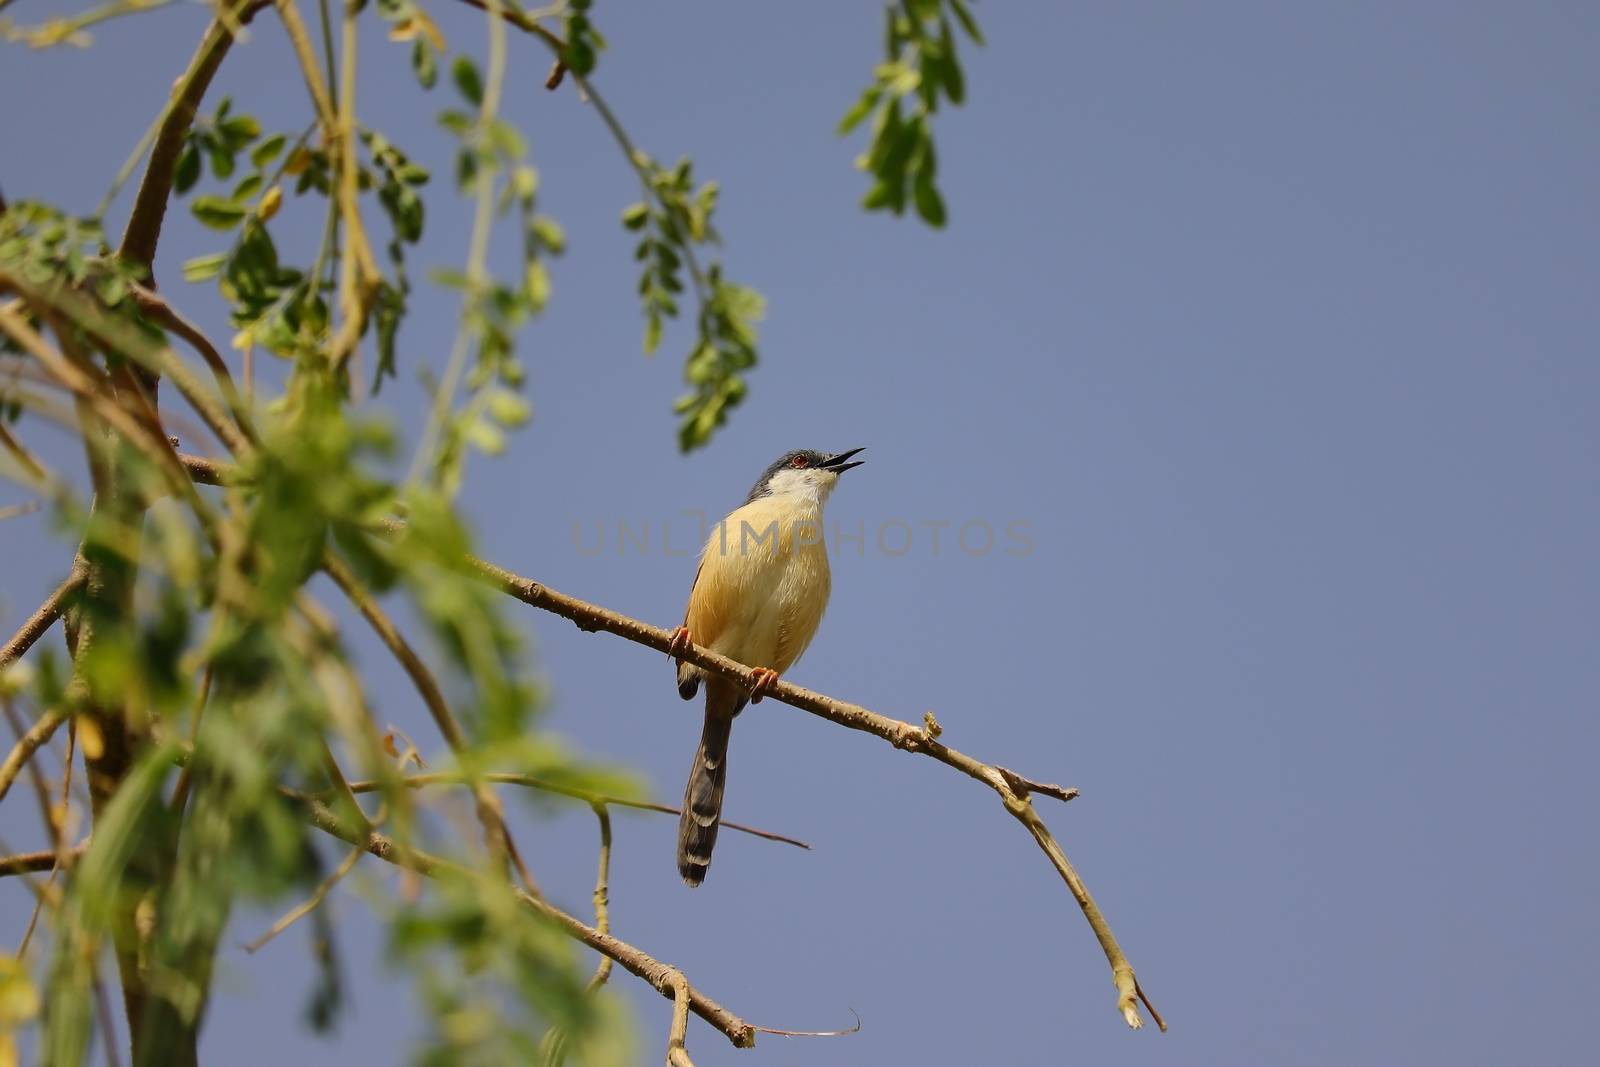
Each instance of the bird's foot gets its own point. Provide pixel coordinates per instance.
(762, 679)
(681, 640)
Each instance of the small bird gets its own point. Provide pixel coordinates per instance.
(758, 596)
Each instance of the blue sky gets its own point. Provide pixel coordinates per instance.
(1275, 327)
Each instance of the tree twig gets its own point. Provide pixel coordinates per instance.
(27, 745)
(418, 781)
(42, 619)
(602, 895)
(306, 907)
(155, 189)
(163, 314)
(677, 1054)
(490, 813)
(34, 862)
(633, 960)
(901, 735)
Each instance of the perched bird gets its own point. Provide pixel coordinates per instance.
(760, 592)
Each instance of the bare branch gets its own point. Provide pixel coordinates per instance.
(418, 781)
(633, 960)
(489, 810)
(602, 895)
(26, 746)
(163, 314)
(677, 1055)
(26, 459)
(901, 735)
(34, 862)
(300, 911)
(87, 388)
(46, 615)
(150, 206)
(1023, 786)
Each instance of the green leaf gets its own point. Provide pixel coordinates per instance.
(221, 162)
(423, 64)
(508, 408)
(968, 23)
(549, 233)
(860, 109)
(634, 216)
(187, 171)
(457, 122)
(525, 182)
(955, 85)
(930, 205)
(218, 213)
(240, 130)
(486, 436)
(204, 268)
(465, 74)
(507, 139)
(268, 150)
(537, 284)
(247, 188)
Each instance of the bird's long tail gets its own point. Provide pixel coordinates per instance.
(702, 798)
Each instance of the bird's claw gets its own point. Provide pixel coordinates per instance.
(681, 640)
(762, 679)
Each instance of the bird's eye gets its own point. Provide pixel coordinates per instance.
(799, 461)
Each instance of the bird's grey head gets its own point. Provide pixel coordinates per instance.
(803, 472)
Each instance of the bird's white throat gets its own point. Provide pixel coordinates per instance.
(810, 484)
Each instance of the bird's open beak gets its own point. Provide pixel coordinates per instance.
(837, 463)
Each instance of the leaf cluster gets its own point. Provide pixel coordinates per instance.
(920, 68)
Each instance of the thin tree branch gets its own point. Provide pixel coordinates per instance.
(633, 960)
(602, 895)
(301, 910)
(901, 735)
(163, 314)
(358, 274)
(86, 387)
(636, 159)
(418, 781)
(34, 862)
(490, 813)
(553, 1049)
(28, 461)
(41, 788)
(58, 841)
(677, 1055)
(310, 69)
(155, 189)
(26, 746)
(46, 615)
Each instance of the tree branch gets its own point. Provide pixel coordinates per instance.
(150, 206)
(677, 1054)
(46, 615)
(633, 960)
(34, 862)
(602, 800)
(163, 314)
(26, 746)
(1012, 789)
(901, 735)
(490, 813)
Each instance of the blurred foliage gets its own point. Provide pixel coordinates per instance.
(920, 68)
(200, 645)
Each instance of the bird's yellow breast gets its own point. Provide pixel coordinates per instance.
(763, 583)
